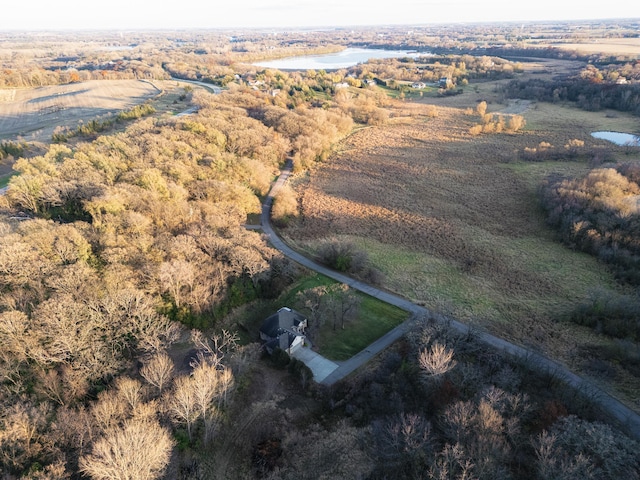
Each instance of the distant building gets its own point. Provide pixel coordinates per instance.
(445, 82)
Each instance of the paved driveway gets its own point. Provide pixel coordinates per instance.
(320, 366)
(536, 361)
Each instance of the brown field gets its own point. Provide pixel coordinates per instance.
(612, 46)
(453, 222)
(33, 114)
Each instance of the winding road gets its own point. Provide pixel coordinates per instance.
(627, 418)
(212, 88)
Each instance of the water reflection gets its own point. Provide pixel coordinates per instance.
(619, 138)
(333, 61)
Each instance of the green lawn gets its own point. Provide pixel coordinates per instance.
(4, 180)
(374, 319)
(410, 93)
(288, 298)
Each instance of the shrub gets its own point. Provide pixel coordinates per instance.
(616, 316)
(475, 130)
(515, 123)
(12, 149)
(280, 358)
(431, 111)
(342, 256)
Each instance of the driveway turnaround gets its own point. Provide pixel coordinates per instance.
(320, 366)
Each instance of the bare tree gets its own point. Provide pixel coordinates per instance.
(182, 404)
(130, 391)
(313, 300)
(437, 360)
(211, 383)
(177, 278)
(342, 304)
(138, 450)
(452, 463)
(158, 371)
(481, 108)
(216, 347)
(21, 435)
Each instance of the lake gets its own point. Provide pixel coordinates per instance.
(334, 61)
(618, 138)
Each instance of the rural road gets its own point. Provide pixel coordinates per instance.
(214, 88)
(621, 413)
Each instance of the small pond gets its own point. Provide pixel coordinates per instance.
(618, 138)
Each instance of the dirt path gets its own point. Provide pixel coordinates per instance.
(621, 413)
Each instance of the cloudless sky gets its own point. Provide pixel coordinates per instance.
(169, 14)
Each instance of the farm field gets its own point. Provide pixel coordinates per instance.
(33, 114)
(613, 46)
(453, 221)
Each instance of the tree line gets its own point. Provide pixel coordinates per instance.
(107, 249)
(589, 91)
(599, 214)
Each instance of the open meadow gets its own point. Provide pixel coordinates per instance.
(453, 220)
(34, 113)
(612, 46)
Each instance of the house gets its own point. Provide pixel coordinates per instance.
(445, 82)
(284, 329)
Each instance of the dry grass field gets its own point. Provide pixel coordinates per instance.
(610, 46)
(33, 114)
(453, 221)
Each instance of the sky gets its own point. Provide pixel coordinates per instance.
(170, 14)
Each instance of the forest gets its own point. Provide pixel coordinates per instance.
(130, 287)
(592, 90)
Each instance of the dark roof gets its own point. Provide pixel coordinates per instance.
(282, 342)
(282, 320)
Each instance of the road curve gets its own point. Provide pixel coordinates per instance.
(214, 88)
(626, 417)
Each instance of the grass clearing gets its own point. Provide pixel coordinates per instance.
(611, 46)
(4, 179)
(288, 299)
(374, 319)
(33, 114)
(560, 118)
(453, 220)
(407, 92)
